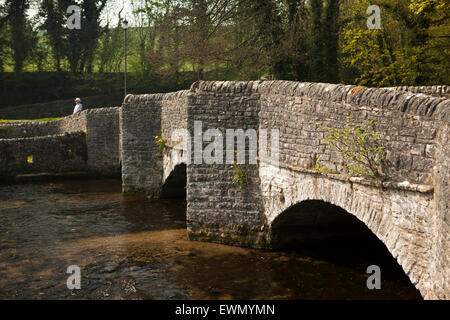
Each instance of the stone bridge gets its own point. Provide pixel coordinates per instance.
(408, 212)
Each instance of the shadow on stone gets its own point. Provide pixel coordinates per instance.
(329, 233)
(175, 185)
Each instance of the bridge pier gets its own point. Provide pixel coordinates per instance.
(146, 166)
(219, 210)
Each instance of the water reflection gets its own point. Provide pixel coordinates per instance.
(134, 248)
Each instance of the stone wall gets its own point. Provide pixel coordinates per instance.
(414, 130)
(28, 129)
(102, 134)
(141, 120)
(402, 220)
(25, 129)
(102, 139)
(57, 153)
(173, 117)
(406, 123)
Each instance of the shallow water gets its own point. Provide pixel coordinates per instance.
(134, 248)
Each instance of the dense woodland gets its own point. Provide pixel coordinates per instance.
(176, 41)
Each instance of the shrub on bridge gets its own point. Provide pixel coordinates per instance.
(239, 175)
(360, 147)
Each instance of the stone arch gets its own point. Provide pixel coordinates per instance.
(327, 232)
(399, 219)
(313, 220)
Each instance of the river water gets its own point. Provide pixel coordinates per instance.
(134, 248)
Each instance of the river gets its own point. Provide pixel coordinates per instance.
(136, 248)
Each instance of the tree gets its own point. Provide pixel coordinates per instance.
(78, 46)
(435, 47)
(144, 14)
(331, 41)
(90, 32)
(317, 46)
(409, 49)
(3, 35)
(54, 13)
(193, 34)
(419, 6)
(298, 34)
(20, 40)
(110, 49)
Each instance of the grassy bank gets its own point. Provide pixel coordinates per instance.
(23, 120)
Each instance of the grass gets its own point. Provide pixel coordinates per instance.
(41, 119)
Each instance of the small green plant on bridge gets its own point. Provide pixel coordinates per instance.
(161, 142)
(239, 175)
(359, 145)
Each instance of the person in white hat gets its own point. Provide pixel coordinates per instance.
(78, 106)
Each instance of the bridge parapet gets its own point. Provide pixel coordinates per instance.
(100, 155)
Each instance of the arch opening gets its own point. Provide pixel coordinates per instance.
(175, 184)
(313, 220)
(325, 232)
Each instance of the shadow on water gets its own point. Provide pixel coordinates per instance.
(135, 248)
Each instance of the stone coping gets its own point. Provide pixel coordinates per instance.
(131, 98)
(55, 136)
(384, 98)
(404, 185)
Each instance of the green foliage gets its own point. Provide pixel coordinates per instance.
(20, 32)
(411, 48)
(419, 6)
(377, 62)
(70, 154)
(77, 46)
(239, 175)
(362, 153)
(320, 168)
(161, 142)
(170, 44)
(53, 13)
(317, 45)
